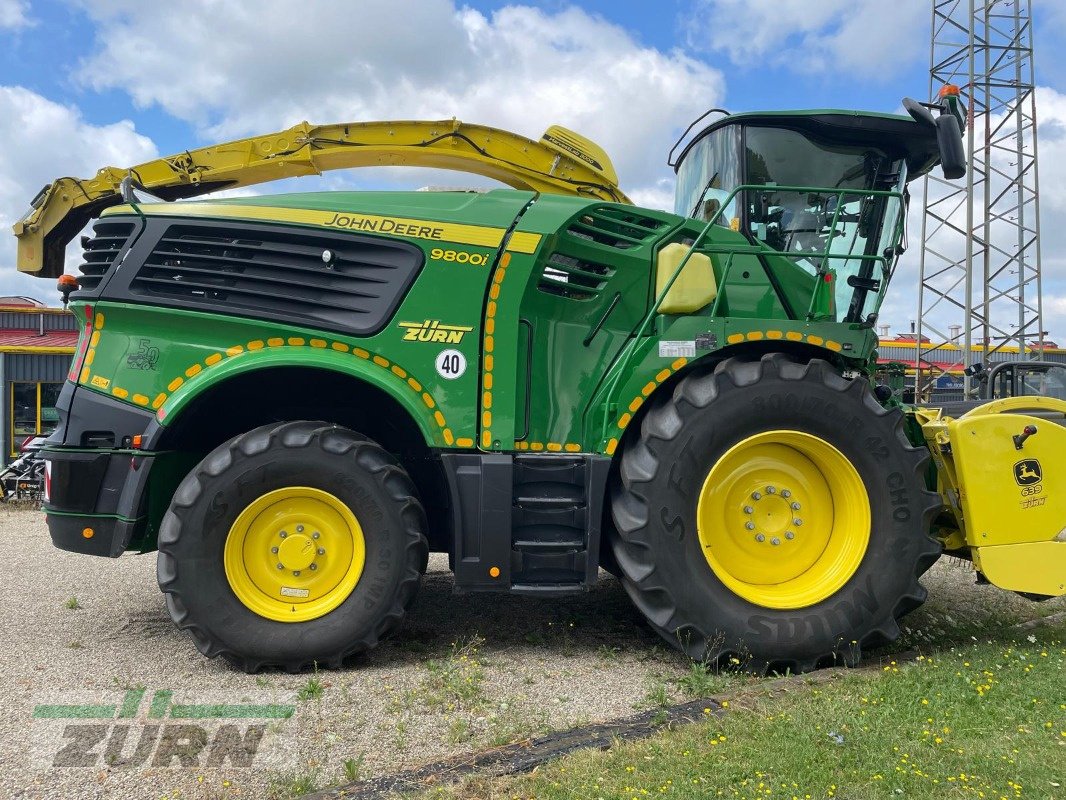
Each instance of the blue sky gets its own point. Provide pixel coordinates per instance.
(87, 83)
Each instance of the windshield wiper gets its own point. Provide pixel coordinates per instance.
(701, 195)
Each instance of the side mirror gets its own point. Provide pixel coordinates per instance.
(952, 153)
(948, 130)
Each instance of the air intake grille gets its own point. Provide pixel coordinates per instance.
(616, 227)
(101, 251)
(342, 282)
(573, 278)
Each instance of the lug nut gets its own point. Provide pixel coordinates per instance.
(786, 493)
(321, 551)
(797, 522)
(273, 549)
(299, 528)
(775, 541)
(749, 525)
(756, 496)
(314, 566)
(795, 506)
(770, 490)
(790, 535)
(315, 535)
(283, 534)
(281, 566)
(760, 538)
(296, 572)
(749, 510)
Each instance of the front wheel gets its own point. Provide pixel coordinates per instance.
(294, 544)
(772, 514)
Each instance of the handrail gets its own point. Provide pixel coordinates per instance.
(624, 356)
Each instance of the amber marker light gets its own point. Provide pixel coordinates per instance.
(88, 533)
(494, 572)
(66, 284)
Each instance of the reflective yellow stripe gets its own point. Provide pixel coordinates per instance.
(430, 230)
(523, 242)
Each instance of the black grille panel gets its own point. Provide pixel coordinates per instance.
(574, 278)
(101, 251)
(342, 282)
(616, 227)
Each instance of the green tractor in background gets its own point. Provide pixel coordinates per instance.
(537, 382)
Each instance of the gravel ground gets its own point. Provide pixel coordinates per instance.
(465, 673)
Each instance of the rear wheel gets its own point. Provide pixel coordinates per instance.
(772, 514)
(292, 544)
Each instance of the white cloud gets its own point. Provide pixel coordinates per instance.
(658, 195)
(13, 14)
(233, 71)
(839, 38)
(1056, 306)
(45, 141)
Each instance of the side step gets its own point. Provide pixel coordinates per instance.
(526, 524)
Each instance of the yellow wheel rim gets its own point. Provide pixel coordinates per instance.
(784, 519)
(294, 554)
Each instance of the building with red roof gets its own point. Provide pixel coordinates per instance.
(36, 347)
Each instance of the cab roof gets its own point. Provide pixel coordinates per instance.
(896, 135)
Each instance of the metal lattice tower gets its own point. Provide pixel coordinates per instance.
(980, 256)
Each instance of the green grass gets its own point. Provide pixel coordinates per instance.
(459, 731)
(451, 683)
(983, 720)
(702, 681)
(657, 696)
(313, 689)
(353, 768)
(72, 603)
(291, 785)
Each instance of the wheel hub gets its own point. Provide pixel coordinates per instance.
(294, 554)
(297, 552)
(772, 514)
(784, 519)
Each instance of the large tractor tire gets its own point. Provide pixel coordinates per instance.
(773, 516)
(294, 544)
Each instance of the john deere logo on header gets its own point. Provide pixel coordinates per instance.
(1028, 472)
(432, 330)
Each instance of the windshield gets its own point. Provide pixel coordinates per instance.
(709, 173)
(836, 216)
(821, 207)
(1031, 381)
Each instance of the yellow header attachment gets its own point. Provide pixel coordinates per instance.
(562, 162)
(1000, 471)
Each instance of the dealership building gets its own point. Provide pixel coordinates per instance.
(36, 346)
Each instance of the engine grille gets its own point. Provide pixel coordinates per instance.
(573, 278)
(615, 227)
(101, 251)
(342, 282)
